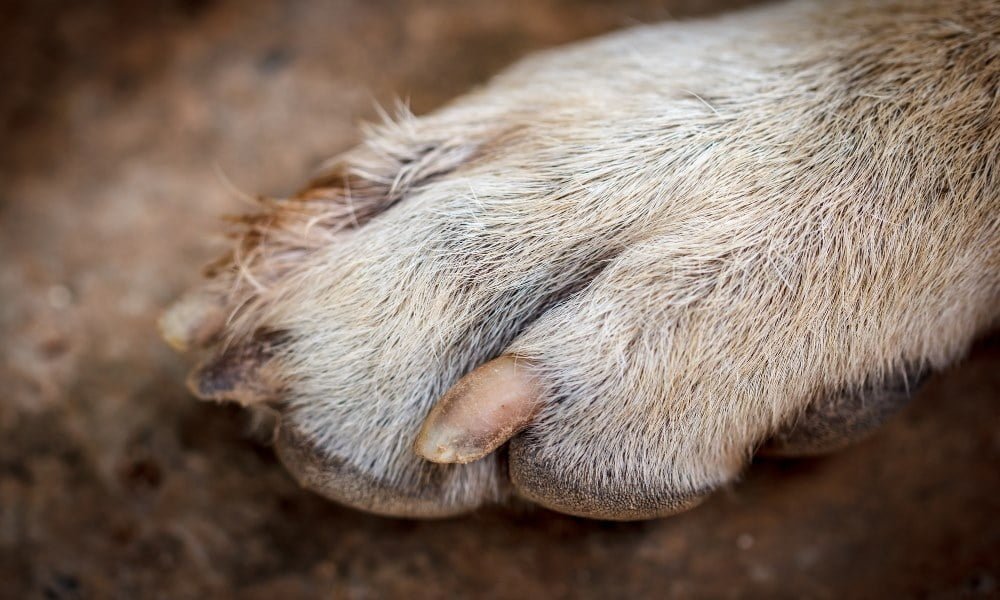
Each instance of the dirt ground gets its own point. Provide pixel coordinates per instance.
(127, 128)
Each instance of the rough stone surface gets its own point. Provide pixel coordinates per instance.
(127, 128)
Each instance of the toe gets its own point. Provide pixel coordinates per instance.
(545, 479)
(839, 419)
(432, 490)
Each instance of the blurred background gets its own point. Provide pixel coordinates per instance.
(128, 128)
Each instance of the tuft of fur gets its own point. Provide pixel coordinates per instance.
(697, 230)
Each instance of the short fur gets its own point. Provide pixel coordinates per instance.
(696, 229)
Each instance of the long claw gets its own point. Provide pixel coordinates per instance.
(481, 412)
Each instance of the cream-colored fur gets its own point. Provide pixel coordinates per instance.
(693, 229)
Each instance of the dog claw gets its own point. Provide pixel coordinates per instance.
(193, 321)
(480, 413)
(244, 374)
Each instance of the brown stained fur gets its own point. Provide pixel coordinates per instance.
(347, 192)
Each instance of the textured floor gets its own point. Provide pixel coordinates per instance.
(126, 128)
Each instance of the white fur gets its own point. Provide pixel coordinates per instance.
(694, 228)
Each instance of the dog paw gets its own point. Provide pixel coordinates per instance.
(606, 279)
